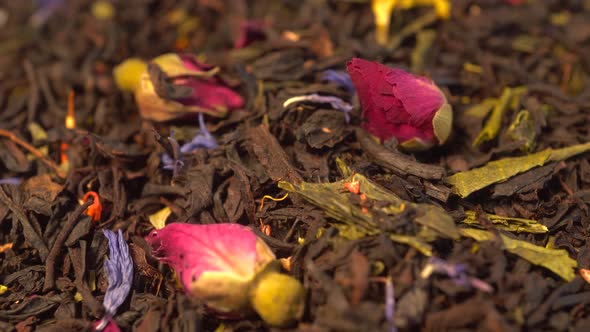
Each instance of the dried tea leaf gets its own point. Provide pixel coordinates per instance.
(556, 260)
(525, 43)
(358, 221)
(42, 193)
(508, 224)
(465, 183)
(158, 219)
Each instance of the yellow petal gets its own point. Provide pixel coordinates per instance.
(158, 219)
(128, 74)
(382, 10)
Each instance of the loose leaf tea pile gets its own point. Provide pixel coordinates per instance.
(369, 165)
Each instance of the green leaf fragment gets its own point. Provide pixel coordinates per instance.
(555, 260)
(356, 221)
(482, 109)
(38, 134)
(413, 241)
(492, 126)
(508, 100)
(518, 225)
(467, 182)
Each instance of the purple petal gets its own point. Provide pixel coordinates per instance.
(458, 273)
(46, 9)
(11, 181)
(340, 77)
(390, 303)
(335, 102)
(203, 140)
(120, 272)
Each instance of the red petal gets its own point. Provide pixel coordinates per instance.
(210, 94)
(191, 62)
(419, 96)
(395, 103)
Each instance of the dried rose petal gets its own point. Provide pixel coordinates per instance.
(229, 268)
(216, 263)
(183, 86)
(401, 105)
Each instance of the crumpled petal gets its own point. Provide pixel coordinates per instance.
(215, 263)
(120, 272)
(195, 87)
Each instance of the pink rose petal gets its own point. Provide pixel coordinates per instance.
(194, 249)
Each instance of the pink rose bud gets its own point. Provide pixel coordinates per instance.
(398, 104)
(230, 269)
(174, 85)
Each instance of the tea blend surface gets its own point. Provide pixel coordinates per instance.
(483, 226)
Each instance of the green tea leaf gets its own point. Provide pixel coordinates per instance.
(358, 221)
(482, 109)
(492, 126)
(508, 100)
(518, 225)
(468, 182)
(556, 260)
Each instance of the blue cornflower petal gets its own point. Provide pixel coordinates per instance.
(339, 77)
(120, 272)
(204, 140)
